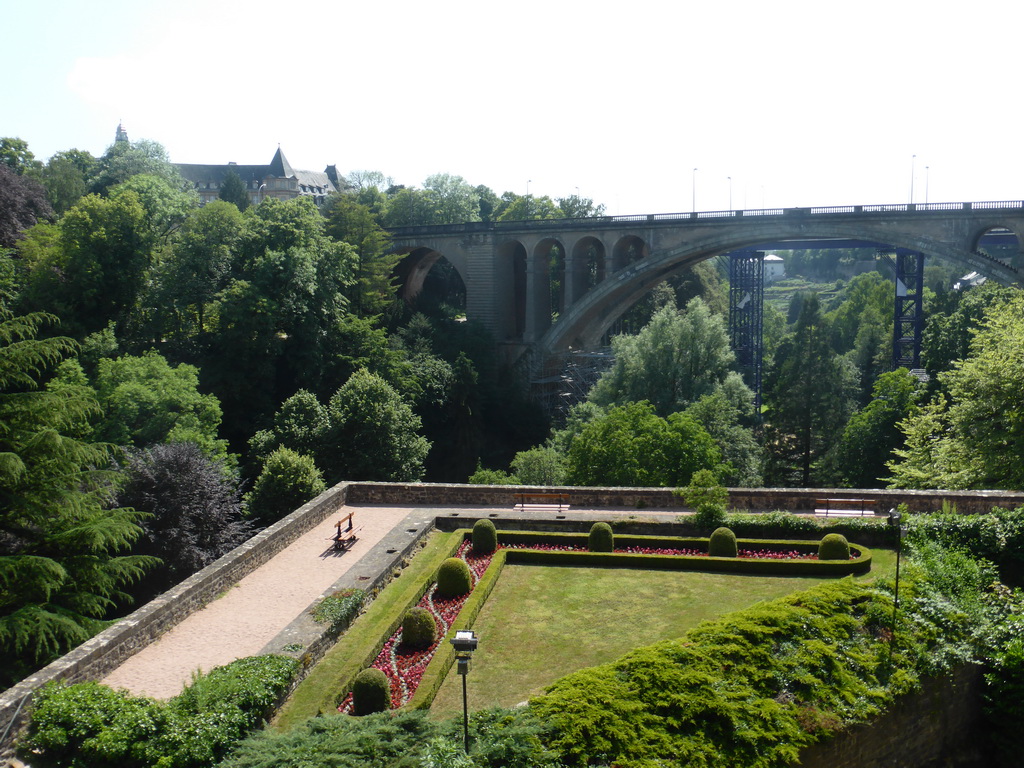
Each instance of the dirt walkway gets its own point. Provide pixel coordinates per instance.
(251, 613)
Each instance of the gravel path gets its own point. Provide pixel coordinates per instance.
(254, 611)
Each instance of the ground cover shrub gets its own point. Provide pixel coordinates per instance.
(1004, 702)
(339, 609)
(834, 546)
(601, 538)
(722, 543)
(371, 692)
(419, 630)
(997, 536)
(88, 724)
(453, 578)
(510, 738)
(485, 537)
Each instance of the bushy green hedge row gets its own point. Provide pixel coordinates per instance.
(90, 725)
(997, 536)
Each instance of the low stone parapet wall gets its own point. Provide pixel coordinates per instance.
(100, 655)
(753, 499)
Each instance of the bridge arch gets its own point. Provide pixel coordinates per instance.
(587, 266)
(594, 312)
(511, 271)
(419, 268)
(629, 249)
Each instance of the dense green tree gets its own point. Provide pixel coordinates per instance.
(22, 203)
(192, 506)
(951, 320)
(193, 273)
(809, 394)
(729, 426)
(542, 465)
(515, 207)
(146, 401)
(576, 207)
(288, 481)
(859, 459)
(66, 177)
(15, 154)
(299, 425)
(232, 190)
(675, 360)
(166, 205)
(454, 200)
(124, 159)
(373, 435)
(631, 445)
(868, 297)
(978, 439)
(93, 272)
(408, 207)
(60, 567)
(351, 222)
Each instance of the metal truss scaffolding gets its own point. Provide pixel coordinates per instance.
(746, 315)
(909, 316)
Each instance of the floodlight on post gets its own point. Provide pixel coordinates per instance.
(464, 642)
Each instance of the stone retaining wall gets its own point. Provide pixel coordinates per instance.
(103, 653)
(935, 726)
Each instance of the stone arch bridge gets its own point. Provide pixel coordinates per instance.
(605, 264)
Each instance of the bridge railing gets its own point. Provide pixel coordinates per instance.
(831, 210)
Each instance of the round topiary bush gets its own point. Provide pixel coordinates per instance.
(722, 543)
(601, 538)
(485, 537)
(834, 547)
(418, 628)
(371, 692)
(453, 578)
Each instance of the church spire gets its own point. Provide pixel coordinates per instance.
(121, 135)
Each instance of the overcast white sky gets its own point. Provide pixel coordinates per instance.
(800, 103)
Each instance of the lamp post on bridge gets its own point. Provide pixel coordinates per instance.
(913, 162)
(693, 195)
(926, 169)
(730, 191)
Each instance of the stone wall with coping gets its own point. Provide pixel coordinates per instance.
(753, 499)
(100, 655)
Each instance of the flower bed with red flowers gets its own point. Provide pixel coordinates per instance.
(404, 666)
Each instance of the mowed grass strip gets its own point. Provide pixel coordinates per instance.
(543, 622)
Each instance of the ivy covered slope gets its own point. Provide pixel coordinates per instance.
(755, 687)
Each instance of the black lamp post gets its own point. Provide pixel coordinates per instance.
(894, 522)
(465, 642)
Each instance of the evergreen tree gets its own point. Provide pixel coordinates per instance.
(809, 396)
(60, 572)
(232, 190)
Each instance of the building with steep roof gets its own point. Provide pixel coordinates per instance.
(277, 179)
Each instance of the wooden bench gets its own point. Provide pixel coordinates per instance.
(558, 501)
(843, 507)
(345, 538)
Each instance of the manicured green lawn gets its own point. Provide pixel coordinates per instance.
(543, 622)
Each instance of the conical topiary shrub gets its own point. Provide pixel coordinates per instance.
(601, 538)
(485, 537)
(371, 692)
(453, 578)
(722, 543)
(834, 546)
(418, 628)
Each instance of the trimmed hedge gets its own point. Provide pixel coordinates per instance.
(601, 538)
(834, 547)
(419, 629)
(371, 692)
(454, 578)
(722, 543)
(485, 537)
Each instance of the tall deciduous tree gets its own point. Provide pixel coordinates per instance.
(809, 396)
(351, 222)
(66, 177)
(674, 361)
(631, 445)
(60, 567)
(374, 434)
(22, 203)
